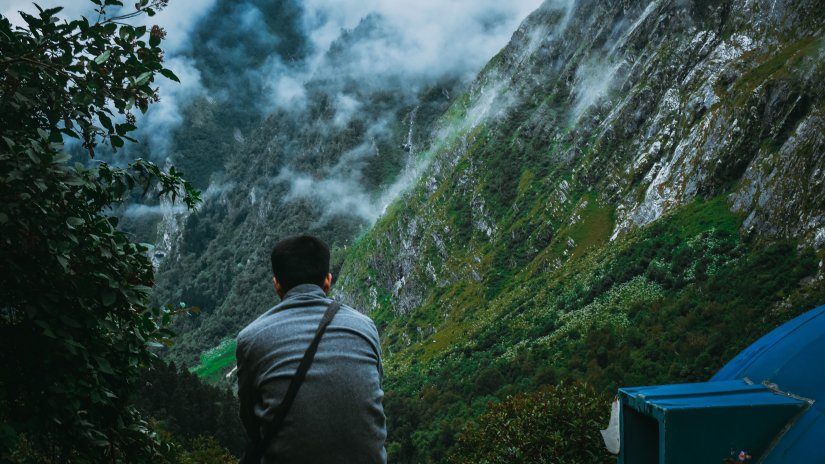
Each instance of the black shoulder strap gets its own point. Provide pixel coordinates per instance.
(271, 429)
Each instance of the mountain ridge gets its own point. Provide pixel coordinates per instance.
(627, 193)
(630, 193)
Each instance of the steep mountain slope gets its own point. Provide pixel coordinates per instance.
(629, 193)
(301, 127)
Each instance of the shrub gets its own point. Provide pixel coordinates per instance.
(554, 425)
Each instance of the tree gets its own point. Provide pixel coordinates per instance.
(76, 326)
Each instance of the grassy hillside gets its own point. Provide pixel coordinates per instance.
(626, 195)
(634, 200)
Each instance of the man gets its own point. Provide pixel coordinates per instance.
(337, 415)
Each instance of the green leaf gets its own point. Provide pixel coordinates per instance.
(108, 296)
(70, 322)
(47, 331)
(52, 11)
(116, 141)
(99, 59)
(143, 78)
(33, 156)
(142, 289)
(107, 123)
(104, 365)
(74, 221)
(122, 129)
(61, 158)
(154, 41)
(74, 181)
(70, 133)
(169, 74)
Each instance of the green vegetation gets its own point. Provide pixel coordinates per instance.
(777, 65)
(517, 286)
(76, 328)
(216, 361)
(591, 229)
(558, 425)
(193, 414)
(670, 303)
(497, 284)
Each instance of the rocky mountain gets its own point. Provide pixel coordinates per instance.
(629, 193)
(299, 128)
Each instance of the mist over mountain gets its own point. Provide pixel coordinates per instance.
(628, 194)
(520, 194)
(299, 117)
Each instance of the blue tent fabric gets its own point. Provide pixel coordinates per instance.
(791, 357)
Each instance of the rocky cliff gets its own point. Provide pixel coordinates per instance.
(629, 192)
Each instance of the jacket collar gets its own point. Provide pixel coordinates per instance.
(310, 290)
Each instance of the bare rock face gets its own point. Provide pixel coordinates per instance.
(646, 106)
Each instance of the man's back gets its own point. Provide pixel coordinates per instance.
(337, 416)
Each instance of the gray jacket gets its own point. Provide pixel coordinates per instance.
(337, 416)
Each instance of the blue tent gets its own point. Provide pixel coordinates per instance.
(790, 357)
(767, 401)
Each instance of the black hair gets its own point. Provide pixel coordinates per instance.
(302, 259)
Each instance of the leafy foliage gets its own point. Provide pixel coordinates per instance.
(62, 76)
(558, 425)
(76, 327)
(193, 412)
(216, 360)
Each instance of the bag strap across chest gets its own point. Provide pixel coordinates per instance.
(256, 450)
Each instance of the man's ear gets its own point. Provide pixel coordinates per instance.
(278, 290)
(327, 283)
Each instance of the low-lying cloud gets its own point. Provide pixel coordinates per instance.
(263, 56)
(139, 210)
(358, 48)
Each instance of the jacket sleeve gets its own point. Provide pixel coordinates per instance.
(246, 392)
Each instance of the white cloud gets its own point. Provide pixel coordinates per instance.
(178, 19)
(156, 126)
(138, 210)
(424, 38)
(399, 46)
(404, 47)
(338, 195)
(594, 80)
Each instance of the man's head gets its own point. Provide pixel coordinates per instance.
(302, 259)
